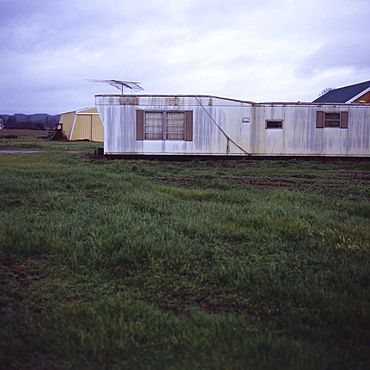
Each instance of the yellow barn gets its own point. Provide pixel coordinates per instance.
(83, 124)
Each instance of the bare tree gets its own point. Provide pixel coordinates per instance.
(327, 89)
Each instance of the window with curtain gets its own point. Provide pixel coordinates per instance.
(164, 125)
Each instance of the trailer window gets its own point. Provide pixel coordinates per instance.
(164, 125)
(332, 119)
(274, 123)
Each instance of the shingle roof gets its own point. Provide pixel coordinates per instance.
(343, 94)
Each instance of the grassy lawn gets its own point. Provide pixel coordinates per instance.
(246, 264)
(33, 140)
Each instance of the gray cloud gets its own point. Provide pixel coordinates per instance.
(350, 53)
(271, 50)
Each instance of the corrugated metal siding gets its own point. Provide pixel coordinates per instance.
(67, 120)
(88, 127)
(298, 135)
(98, 129)
(83, 125)
(89, 110)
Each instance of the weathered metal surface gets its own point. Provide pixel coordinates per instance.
(300, 136)
(119, 122)
(230, 127)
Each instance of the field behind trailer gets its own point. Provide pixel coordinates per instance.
(36, 140)
(183, 265)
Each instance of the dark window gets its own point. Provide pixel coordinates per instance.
(164, 125)
(274, 123)
(332, 119)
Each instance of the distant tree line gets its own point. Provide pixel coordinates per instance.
(38, 121)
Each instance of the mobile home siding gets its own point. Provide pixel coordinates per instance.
(303, 132)
(124, 136)
(231, 127)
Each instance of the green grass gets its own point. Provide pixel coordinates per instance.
(183, 265)
(32, 140)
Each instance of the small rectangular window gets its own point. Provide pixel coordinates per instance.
(274, 123)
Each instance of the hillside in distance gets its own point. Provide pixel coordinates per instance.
(47, 120)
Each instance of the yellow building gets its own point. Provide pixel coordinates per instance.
(83, 124)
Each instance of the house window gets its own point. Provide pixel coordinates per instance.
(276, 123)
(332, 119)
(164, 125)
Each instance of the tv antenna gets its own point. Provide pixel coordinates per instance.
(122, 85)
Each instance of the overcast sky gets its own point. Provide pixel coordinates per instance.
(268, 50)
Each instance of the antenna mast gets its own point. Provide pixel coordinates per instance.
(122, 85)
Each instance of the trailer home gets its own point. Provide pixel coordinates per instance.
(203, 125)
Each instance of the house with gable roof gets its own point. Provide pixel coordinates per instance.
(352, 94)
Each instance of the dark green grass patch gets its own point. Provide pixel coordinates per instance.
(168, 265)
(33, 140)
